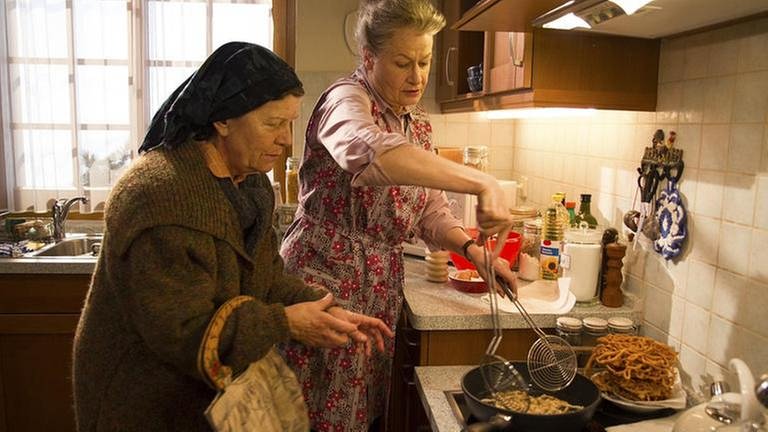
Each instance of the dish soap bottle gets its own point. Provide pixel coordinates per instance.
(571, 207)
(585, 214)
(552, 231)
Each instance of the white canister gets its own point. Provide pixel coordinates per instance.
(581, 260)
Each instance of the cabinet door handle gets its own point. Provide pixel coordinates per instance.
(408, 370)
(447, 69)
(512, 50)
(408, 340)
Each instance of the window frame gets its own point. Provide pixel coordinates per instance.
(283, 16)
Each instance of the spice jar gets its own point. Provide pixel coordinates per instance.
(529, 250)
(292, 180)
(476, 157)
(520, 215)
(621, 325)
(569, 328)
(594, 328)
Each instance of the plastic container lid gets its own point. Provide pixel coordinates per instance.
(621, 323)
(595, 323)
(524, 211)
(569, 323)
(584, 235)
(533, 224)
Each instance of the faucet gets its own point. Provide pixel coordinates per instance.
(60, 212)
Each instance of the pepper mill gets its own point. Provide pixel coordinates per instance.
(611, 295)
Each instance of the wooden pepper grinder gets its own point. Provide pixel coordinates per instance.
(611, 295)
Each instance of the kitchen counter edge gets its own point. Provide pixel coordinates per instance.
(438, 306)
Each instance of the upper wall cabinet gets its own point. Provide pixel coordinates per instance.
(458, 50)
(503, 15)
(545, 68)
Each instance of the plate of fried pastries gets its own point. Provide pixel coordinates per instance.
(637, 373)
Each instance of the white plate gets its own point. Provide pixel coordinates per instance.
(631, 406)
(677, 401)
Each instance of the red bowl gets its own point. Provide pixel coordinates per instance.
(509, 252)
(469, 286)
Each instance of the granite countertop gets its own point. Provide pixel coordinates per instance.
(433, 381)
(438, 306)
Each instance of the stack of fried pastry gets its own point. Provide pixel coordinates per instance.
(637, 368)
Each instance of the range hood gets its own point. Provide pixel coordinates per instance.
(659, 18)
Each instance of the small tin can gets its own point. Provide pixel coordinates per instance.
(594, 328)
(621, 325)
(569, 328)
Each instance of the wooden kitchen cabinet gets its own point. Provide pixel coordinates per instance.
(457, 51)
(439, 348)
(542, 67)
(38, 317)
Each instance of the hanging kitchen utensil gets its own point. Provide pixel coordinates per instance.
(671, 215)
(655, 167)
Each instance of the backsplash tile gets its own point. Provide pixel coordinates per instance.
(739, 198)
(746, 147)
(696, 327)
(735, 240)
(715, 140)
(701, 280)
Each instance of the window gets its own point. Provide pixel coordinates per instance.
(82, 79)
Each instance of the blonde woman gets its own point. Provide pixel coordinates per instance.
(368, 182)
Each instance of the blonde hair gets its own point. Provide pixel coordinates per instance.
(379, 19)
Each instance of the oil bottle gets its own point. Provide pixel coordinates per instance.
(552, 232)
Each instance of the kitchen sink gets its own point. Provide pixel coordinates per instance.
(87, 246)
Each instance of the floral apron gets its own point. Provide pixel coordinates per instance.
(348, 240)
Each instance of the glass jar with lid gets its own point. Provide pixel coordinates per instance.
(594, 328)
(569, 328)
(520, 215)
(529, 250)
(621, 325)
(476, 157)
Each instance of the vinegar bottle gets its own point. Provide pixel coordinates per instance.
(585, 214)
(552, 232)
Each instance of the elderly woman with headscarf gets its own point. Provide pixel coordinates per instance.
(188, 227)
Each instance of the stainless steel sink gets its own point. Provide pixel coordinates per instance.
(87, 246)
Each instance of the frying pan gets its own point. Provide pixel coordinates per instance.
(581, 392)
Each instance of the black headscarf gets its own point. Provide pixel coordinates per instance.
(237, 78)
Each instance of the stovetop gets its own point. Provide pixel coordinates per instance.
(606, 415)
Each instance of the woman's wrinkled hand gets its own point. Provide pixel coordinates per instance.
(370, 331)
(322, 324)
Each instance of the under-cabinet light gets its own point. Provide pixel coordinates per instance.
(567, 22)
(631, 6)
(534, 113)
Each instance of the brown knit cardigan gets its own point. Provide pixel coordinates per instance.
(172, 253)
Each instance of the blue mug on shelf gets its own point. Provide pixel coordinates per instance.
(475, 78)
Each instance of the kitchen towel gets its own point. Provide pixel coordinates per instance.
(540, 297)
